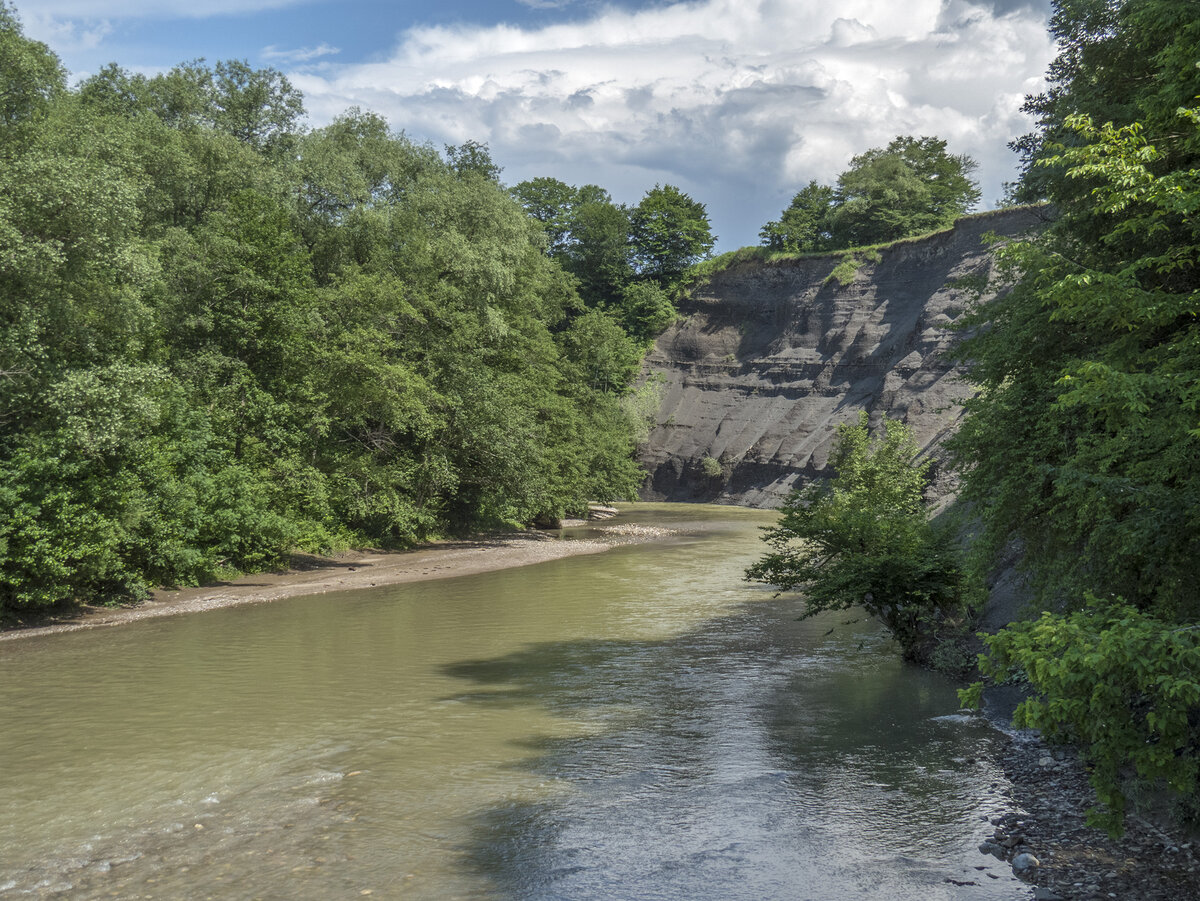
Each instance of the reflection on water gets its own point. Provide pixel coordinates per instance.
(636, 724)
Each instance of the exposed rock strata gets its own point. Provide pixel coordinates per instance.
(768, 359)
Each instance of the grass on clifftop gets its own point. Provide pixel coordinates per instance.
(843, 273)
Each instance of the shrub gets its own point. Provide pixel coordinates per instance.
(864, 539)
(1122, 685)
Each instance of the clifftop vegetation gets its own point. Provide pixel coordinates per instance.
(908, 190)
(910, 187)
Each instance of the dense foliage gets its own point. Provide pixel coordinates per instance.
(627, 262)
(1117, 682)
(864, 539)
(910, 187)
(1082, 443)
(1119, 61)
(223, 337)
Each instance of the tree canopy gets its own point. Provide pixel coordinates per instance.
(670, 232)
(804, 225)
(224, 337)
(627, 262)
(911, 186)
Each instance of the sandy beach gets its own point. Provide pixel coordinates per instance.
(349, 571)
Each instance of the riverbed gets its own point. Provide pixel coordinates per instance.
(638, 723)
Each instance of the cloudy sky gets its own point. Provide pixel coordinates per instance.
(738, 102)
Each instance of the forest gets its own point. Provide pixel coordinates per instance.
(225, 337)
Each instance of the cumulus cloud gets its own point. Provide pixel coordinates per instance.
(740, 102)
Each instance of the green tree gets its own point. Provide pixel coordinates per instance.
(551, 202)
(1119, 62)
(910, 187)
(645, 311)
(607, 359)
(471, 156)
(804, 225)
(863, 539)
(669, 231)
(30, 75)
(598, 253)
(1083, 435)
(257, 106)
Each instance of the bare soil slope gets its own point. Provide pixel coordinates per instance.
(768, 359)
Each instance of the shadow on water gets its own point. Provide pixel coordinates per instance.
(745, 759)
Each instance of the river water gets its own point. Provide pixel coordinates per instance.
(637, 724)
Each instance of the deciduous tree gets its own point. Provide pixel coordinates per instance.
(670, 231)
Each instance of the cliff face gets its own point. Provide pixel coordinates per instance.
(769, 358)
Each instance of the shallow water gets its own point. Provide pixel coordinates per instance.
(634, 724)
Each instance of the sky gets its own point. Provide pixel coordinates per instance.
(737, 102)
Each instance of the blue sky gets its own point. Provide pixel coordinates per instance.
(738, 102)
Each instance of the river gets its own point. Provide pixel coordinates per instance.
(637, 724)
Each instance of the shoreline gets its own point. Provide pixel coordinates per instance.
(1047, 794)
(1047, 804)
(350, 571)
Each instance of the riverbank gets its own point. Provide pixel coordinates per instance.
(1049, 796)
(350, 571)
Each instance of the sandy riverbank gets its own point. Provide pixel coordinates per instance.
(353, 570)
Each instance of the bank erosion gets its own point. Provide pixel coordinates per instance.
(769, 357)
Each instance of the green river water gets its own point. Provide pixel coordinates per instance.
(637, 724)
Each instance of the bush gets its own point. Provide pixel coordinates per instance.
(863, 539)
(1120, 684)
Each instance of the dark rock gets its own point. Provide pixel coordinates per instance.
(993, 849)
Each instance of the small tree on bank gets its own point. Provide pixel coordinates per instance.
(863, 539)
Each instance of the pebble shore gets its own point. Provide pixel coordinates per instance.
(1044, 836)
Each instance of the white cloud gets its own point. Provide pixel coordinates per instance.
(737, 101)
(66, 35)
(299, 54)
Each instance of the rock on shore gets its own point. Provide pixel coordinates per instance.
(1044, 836)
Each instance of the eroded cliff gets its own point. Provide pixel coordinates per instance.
(768, 358)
